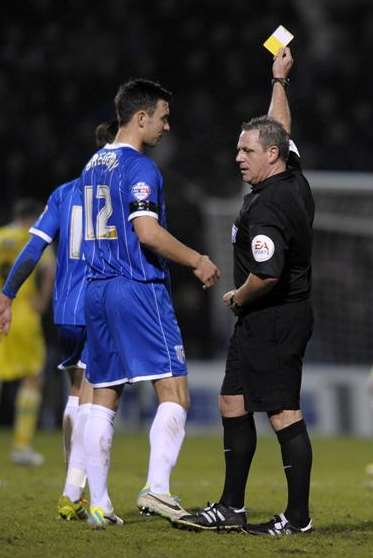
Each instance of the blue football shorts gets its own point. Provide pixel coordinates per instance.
(73, 345)
(132, 332)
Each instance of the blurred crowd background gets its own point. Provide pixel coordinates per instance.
(62, 62)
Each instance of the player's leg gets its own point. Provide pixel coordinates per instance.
(71, 505)
(153, 350)
(106, 374)
(72, 340)
(22, 355)
(27, 407)
(167, 431)
(71, 409)
(97, 441)
(166, 436)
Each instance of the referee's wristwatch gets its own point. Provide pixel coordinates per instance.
(235, 307)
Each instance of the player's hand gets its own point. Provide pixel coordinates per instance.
(5, 313)
(206, 271)
(283, 63)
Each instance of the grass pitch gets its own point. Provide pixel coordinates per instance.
(342, 505)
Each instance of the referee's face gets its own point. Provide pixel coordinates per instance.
(254, 161)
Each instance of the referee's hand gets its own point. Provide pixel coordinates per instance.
(207, 272)
(227, 297)
(283, 62)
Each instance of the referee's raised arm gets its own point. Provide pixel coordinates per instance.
(279, 106)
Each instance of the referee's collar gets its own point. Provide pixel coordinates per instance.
(270, 180)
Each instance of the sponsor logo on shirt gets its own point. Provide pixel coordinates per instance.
(180, 355)
(262, 248)
(234, 233)
(141, 191)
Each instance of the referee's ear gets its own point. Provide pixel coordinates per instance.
(273, 154)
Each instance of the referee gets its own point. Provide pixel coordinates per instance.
(272, 240)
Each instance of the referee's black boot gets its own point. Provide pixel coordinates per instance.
(277, 527)
(215, 517)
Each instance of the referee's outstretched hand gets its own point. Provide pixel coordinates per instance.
(207, 272)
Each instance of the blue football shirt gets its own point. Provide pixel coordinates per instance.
(118, 184)
(62, 219)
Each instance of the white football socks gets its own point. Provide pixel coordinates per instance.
(68, 424)
(97, 442)
(166, 437)
(76, 473)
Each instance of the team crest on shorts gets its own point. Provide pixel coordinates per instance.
(262, 248)
(141, 191)
(180, 354)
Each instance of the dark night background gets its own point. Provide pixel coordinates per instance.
(62, 62)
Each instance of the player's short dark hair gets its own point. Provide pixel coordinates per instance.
(138, 94)
(271, 132)
(106, 132)
(27, 208)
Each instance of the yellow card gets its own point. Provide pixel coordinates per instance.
(279, 39)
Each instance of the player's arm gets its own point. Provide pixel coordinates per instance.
(43, 232)
(46, 271)
(279, 106)
(20, 271)
(253, 288)
(159, 240)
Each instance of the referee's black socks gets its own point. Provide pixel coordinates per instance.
(239, 449)
(297, 459)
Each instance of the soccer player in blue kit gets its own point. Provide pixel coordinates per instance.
(132, 330)
(62, 220)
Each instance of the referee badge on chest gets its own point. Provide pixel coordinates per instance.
(234, 233)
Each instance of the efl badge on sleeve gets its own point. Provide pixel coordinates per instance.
(279, 39)
(141, 191)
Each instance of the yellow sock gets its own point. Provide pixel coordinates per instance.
(27, 410)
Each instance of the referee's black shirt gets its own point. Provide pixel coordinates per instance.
(272, 235)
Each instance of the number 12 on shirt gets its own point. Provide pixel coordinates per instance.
(100, 230)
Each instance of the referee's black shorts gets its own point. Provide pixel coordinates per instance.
(265, 357)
